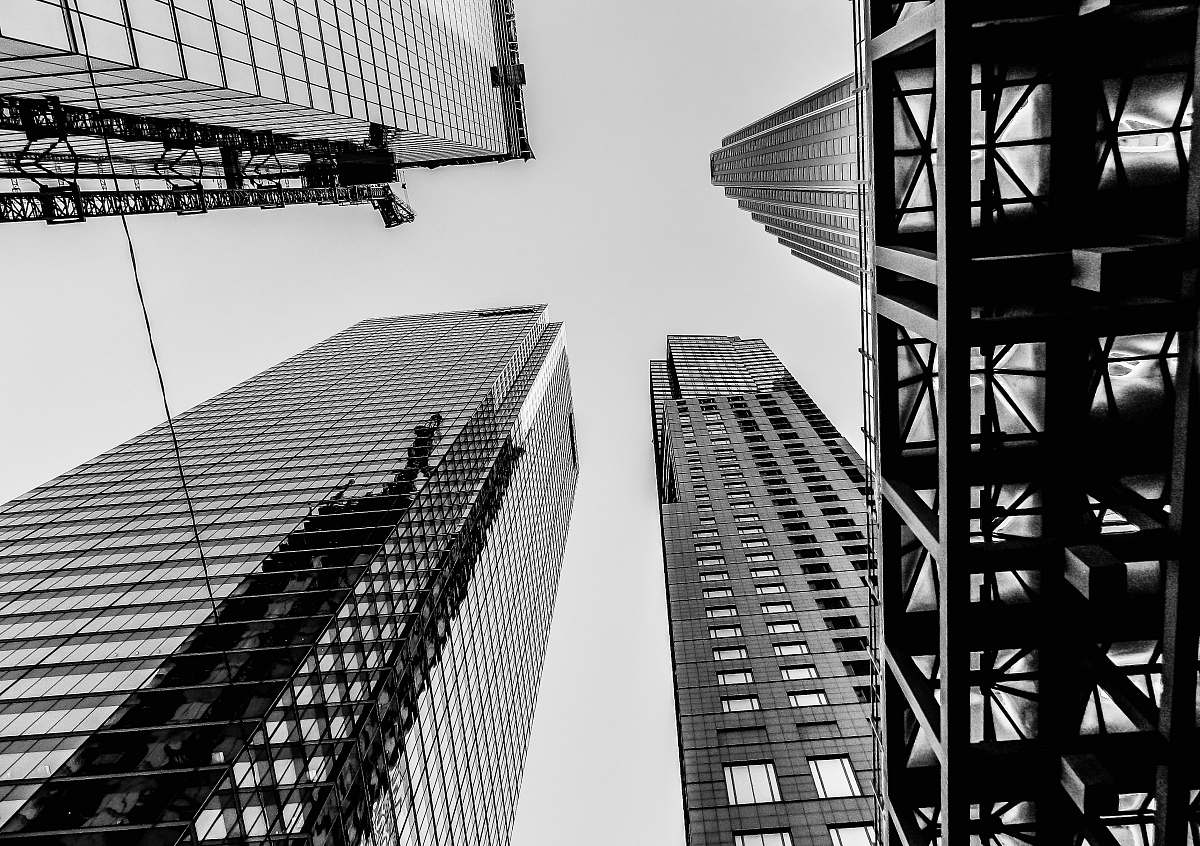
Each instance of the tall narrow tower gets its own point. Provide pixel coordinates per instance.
(796, 172)
(766, 569)
(136, 106)
(331, 634)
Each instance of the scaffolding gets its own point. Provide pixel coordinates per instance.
(1031, 417)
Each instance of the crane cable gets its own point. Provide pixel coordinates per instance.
(233, 722)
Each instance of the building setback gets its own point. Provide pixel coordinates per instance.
(332, 635)
(796, 172)
(1031, 329)
(767, 571)
(136, 106)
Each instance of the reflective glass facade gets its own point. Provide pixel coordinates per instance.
(307, 68)
(796, 172)
(343, 647)
(767, 570)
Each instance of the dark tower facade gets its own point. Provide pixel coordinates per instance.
(796, 172)
(331, 634)
(136, 106)
(1031, 334)
(766, 569)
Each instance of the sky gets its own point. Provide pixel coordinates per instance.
(615, 225)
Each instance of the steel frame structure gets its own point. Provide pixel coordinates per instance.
(193, 167)
(1033, 394)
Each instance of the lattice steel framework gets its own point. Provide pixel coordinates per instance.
(1033, 392)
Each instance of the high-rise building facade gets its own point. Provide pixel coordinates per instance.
(766, 573)
(796, 172)
(1031, 333)
(320, 620)
(134, 106)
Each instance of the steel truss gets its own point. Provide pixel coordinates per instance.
(70, 205)
(193, 167)
(1034, 405)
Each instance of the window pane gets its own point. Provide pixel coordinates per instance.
(807, 698)
(730, 704)
(751, 784)
(763, 838)
(834, 777)
(853, 835)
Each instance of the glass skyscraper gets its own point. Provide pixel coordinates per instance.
(796, 172)
(332, 632)
(200, 98)
(767, 570)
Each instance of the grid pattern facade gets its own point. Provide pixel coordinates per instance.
(1032, 330)
(766, 571)
(796, 172)
(344, 647)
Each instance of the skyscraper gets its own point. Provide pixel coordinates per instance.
(766, 570)
(1031, 333)
(796, 172)
(332, 634)
(135, 106)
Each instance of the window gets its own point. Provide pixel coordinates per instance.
(720, 440)
(833, 603)
(823, 584)
(777, 608)
(786, 627)
(749, 530)
(761, 556)
(794, 648)
(834, 777)
(751, 784)
(743, 505)
(851, 644)
(770, 838)
(750, 544)
(807, 699)
(730, 704)
(865, 693)
(730, 653)
(735, 677)
(746, 518)
(713, 577)
(716, 632)
(799, 671)
(771, 588)
(707, 547)
(848, 621)
(762, 572)
(860, 667)
(810, 569)
(740, 494)
(850, 835)
(710, 560)
(723, 611)
(707, 521)
(730, 484)
(717, 593)
(704, 533)
(828, 511)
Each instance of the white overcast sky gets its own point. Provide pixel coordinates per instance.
(614, 225)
